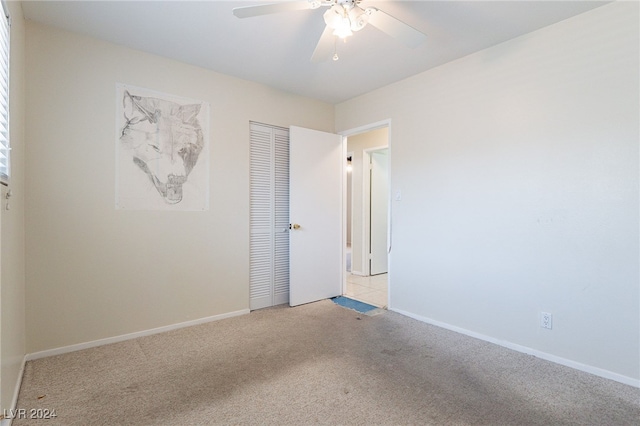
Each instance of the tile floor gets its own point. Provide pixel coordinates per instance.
(371, 290)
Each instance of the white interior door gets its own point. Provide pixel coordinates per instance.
(379, 211)
(315, 211)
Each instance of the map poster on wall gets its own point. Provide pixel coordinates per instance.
(162, 151)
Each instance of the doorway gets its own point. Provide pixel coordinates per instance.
(367, 219)
(296, 227)
(270, 188)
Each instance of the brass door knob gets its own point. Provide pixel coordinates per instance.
(295, 226)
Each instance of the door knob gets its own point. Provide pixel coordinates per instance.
(294, 226)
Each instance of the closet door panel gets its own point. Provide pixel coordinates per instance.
(269, 216)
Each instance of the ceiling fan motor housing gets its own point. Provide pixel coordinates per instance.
(347, 4)
(346, 16)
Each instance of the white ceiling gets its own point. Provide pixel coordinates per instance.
(276, 49)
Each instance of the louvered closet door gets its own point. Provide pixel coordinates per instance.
(281, 208)
(269, 216)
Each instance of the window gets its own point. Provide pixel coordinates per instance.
(4, 96)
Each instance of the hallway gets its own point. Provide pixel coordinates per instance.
(371, 290)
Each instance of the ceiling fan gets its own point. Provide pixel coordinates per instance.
(342, 18)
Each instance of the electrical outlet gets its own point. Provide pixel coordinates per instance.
(546, 320)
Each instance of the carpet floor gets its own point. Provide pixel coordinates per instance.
(316, 364)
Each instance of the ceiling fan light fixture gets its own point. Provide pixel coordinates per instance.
(332, 17)
(342, 18)
(358, 17)
(343, 30)
(338, 20)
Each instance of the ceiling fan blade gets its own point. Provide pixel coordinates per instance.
(396, 28)
(325, 46)
(267, 9)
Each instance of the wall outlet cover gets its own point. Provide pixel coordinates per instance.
(546, 320)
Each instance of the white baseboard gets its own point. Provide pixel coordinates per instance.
(529, 351)
(122, 338)
(16, 391)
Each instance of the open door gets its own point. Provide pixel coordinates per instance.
(315, 211)
(379, 212)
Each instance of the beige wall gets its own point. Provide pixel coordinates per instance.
(12, 258)
(519, 167)
(94, 272)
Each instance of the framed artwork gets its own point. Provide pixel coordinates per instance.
(162, 151)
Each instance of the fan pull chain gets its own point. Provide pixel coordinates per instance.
(335, 49)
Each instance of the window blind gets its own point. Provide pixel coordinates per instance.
(4, 96)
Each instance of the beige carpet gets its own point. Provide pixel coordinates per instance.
(317, 364)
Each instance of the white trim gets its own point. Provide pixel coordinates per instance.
(367, 128)
(366, 205)
(529, 351)
(345, 202)
(124, 337)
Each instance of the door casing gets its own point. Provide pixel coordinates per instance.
(352, 132)
(378, 212)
